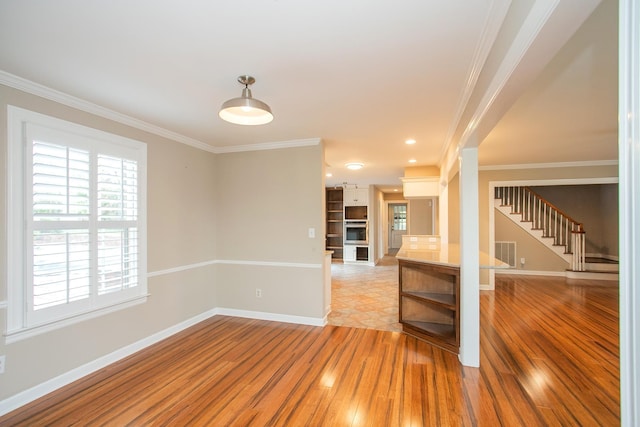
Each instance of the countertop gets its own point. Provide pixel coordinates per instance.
(448, 255)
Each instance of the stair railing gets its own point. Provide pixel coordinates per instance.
(544, 216)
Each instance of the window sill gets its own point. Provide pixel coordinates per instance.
(29, 332)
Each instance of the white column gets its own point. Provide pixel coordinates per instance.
(469, 259)
(629, 155)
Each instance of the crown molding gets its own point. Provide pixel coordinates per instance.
(494, 20)
(268, 145)
(89, 107)
(42, 91)
(550, 165)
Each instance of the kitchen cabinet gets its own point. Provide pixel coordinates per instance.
(349, 253)
(357, 196)
(356, 253)
(430, 302)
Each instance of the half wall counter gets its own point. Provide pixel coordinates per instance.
(429, 289)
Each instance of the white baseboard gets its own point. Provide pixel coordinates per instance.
(27, 396)
(46, 387)
(275, 317)
(512, 271)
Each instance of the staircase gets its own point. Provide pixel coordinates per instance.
(555, 229)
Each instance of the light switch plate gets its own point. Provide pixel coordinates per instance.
(312, 233)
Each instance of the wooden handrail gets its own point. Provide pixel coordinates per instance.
(560, 211)
(545, 216)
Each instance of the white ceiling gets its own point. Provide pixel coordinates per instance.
(363, 75)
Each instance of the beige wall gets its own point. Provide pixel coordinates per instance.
(510, 175)
(203, 209)
(537, 256)
(596, 206)
(420, 215)
(267, 201)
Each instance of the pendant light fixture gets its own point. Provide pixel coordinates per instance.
(246, 110)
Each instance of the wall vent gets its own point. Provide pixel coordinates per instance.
(506, 252)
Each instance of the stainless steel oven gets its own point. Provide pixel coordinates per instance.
(356, 233)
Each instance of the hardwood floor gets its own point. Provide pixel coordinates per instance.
(549, 356)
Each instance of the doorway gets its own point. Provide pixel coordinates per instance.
(396, 226)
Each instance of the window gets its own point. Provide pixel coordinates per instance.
(77, 225)
(400, 217)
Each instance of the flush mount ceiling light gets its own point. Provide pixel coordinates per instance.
(410, 141)
(246, 110)
(354, 166)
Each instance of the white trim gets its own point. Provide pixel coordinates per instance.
(180, 268)
(4, 304)
(268, 263)
(89, 107)
(524, 39)
(29, 332)
(274, 317)
(547, 182)
(469, 259)
(53, 384)
(573, 275)
(494, 20)
(268, 145)
(515, 272)
(42, 91)
(629, 201)
(550, 165)
(231, 262)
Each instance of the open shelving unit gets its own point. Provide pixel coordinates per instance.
(335, 221)
(430, 303)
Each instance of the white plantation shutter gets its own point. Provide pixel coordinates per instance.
(117, 216)
(83, 243)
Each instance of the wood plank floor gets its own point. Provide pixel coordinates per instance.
(549, 356)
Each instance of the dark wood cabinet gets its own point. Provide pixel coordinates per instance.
(430, 302)
(335, 224)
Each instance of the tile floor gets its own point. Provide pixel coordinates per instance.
(365, 297)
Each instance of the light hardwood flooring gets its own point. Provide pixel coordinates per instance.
(549, 357)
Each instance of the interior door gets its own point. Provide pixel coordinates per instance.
(397, 224)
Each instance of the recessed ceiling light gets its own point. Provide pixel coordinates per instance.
(395, 189)
(412, 160)
(354, 166)
(410, 141)
(329, 174)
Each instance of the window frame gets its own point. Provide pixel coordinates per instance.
(21, 323)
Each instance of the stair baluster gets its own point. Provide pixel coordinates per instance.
(554, 223)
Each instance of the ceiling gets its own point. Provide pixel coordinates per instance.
(529, 82)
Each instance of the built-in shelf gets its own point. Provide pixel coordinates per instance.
(430, 302)
(334, 215)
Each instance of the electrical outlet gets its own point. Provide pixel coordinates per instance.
(522, 261)
(258, 293)
(3, 359)
(312, 233)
